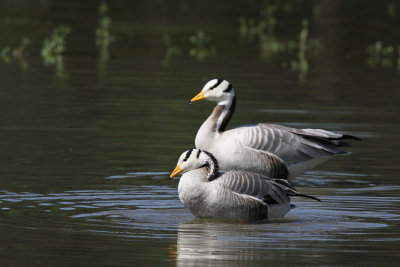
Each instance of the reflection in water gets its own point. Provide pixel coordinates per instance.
(201, 47)
(380, 55)
(155, 212)
(103, 37)
(53, 47)
(171, 50)
(263, 31)
(251, 29)
(203, 242)
(306, 48)
(301, 65)
(6, 53)
(20, 52)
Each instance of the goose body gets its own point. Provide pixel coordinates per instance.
(237, 195)
(272, 150)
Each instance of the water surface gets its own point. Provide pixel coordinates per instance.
(87, 145)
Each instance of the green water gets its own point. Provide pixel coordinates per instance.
(88, 143)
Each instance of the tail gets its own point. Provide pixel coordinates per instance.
(352, 137)
(306, 196)
(290, 190)
(339, 141)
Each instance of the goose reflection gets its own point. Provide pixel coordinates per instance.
(200, 243)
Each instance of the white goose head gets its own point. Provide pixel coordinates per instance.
(195, 158)
(218, 90)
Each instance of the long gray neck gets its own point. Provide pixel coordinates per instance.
(212, 167)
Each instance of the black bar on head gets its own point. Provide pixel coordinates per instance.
(188, 154)
(219, 81)
(227, 90)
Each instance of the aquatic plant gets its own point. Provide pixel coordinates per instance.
(380, 55)
(20, 51)
(54, 45)
(301, 64)
(251, 29)
(53, 48)
(248, 29)
(305, 49)
(5, 54)
(269, 44)
(103, 36)
(201, 47)
(170, 50)
(262, 30)
(269, 21)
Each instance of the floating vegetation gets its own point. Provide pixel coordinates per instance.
(262, 31)
(54, 45)
(201, 47)
(53, 48)
(301, 64)
(269, 44)
(103, 36)
(269, 22)
(306, 48)
(170, 50)
(7, 53)
(381, 55)
(251, 30)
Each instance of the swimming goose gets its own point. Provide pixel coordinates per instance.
(235, 195)
(262, 148)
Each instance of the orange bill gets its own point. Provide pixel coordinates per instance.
(176, 171)
(198, 97)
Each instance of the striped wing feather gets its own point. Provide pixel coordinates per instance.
(254, 185)
(290, 144)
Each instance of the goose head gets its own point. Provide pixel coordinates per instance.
(218, 90)
(193, 159)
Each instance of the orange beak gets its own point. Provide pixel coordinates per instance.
(176, 171)
(198, 97)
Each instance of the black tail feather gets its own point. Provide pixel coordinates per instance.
(348, 136)
(307, 196)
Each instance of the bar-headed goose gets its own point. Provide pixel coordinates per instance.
(231, 195)
(261, 148)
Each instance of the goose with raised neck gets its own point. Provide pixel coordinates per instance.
(272, 150)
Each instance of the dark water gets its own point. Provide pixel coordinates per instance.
(87, 143)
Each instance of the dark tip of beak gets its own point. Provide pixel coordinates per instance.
(190, 102)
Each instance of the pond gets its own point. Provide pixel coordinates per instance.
(95, 114)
